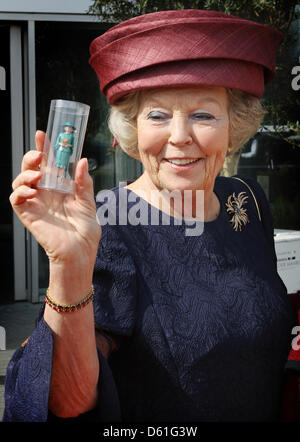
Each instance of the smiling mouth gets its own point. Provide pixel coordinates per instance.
(182, 161)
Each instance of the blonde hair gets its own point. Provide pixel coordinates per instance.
(245, 116)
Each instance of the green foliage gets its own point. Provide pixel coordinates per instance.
(277, 13)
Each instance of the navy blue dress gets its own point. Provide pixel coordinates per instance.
(205, 321)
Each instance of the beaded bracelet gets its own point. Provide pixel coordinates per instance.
(65, 308)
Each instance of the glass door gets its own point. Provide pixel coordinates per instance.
(16, 116)
(6, 220)
(12, 232)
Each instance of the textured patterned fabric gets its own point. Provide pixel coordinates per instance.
(206, 319)
(185, 47)
(206, 324)
(28, 378)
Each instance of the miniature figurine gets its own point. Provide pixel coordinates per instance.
(64, 148)
(66, 128)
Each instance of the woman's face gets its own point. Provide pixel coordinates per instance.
(183, 136)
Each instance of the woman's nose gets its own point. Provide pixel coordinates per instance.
(180, 132)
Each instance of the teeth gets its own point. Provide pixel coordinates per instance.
(182, 161)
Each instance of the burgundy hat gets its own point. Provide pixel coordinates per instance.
(185, 47)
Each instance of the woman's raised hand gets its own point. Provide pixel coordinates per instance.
(64, 225)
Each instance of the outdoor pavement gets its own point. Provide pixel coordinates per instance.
(18, 319)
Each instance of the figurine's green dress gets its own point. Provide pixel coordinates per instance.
(63, 153)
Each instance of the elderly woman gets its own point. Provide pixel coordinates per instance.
(182, 327)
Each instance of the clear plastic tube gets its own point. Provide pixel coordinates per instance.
(63, 145)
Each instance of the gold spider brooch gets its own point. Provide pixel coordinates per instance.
(235, 207)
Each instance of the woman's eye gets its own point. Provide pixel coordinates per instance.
(202, 116)
(157, 116)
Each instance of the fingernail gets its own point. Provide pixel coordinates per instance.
(30, 191)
